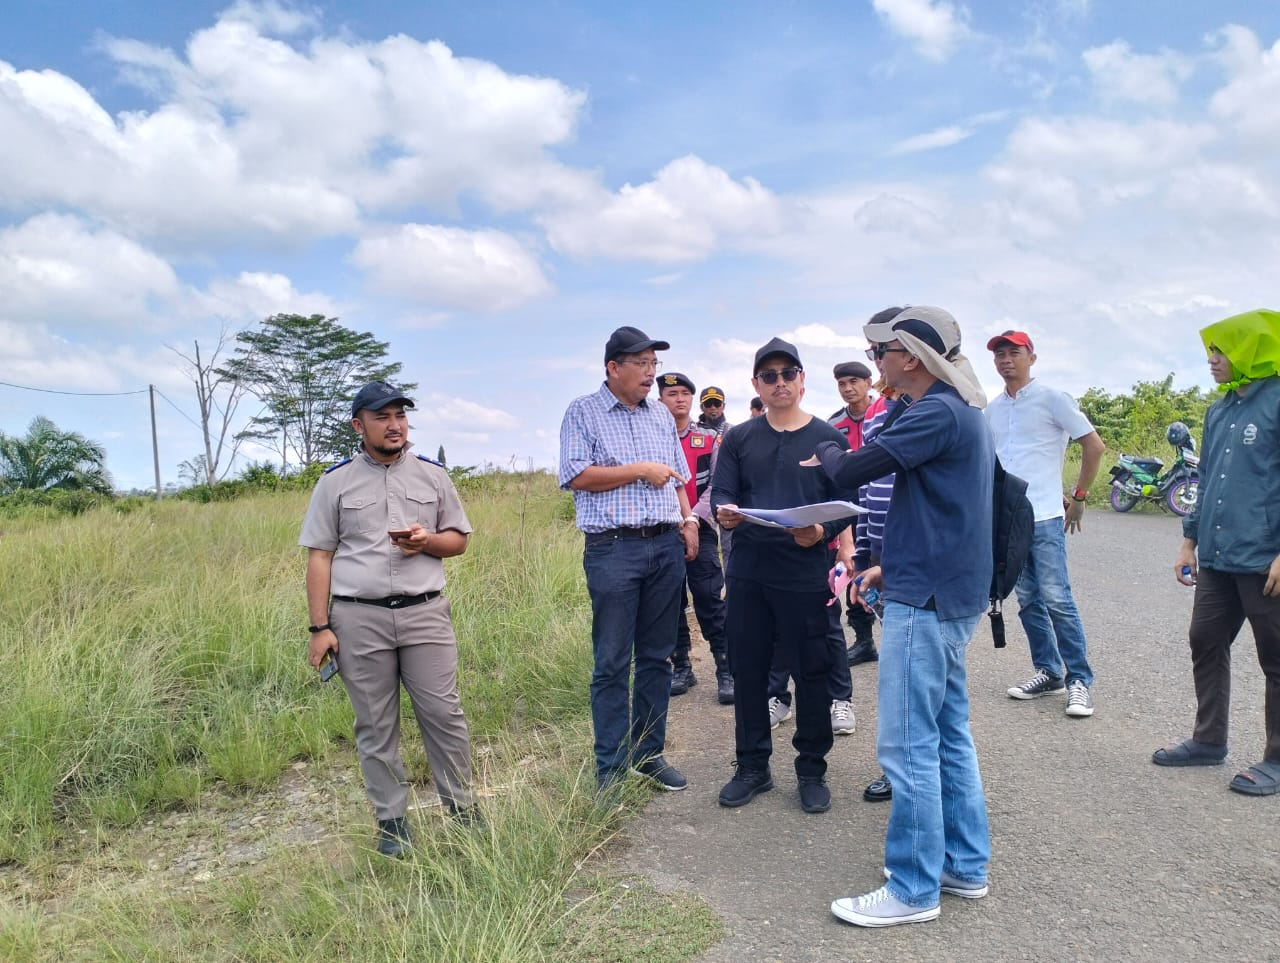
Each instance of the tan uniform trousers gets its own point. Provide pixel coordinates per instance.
(379, 649)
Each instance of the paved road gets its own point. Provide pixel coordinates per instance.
(1097, 854)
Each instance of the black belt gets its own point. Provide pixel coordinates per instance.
(391, 601)
(644, 531)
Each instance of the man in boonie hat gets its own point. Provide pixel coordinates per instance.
(934, 580)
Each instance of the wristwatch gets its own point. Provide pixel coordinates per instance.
(1079, 495)
(689, 518)
(313, 629)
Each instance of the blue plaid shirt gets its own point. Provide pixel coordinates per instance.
(598, 429)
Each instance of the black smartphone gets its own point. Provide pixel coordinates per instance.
(328, 666)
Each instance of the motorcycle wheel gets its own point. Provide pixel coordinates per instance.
(1182, 496)
(1122, 500)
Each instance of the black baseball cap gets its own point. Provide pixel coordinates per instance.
(774, 347)
(629, 340)
(376, 395)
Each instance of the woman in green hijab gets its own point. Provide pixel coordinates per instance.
(1231, 546)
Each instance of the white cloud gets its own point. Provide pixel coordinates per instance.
(478, 270)
(1120, 75)
(254, 295)
(934, 139)
(935, 27)
(681, 215)
(1249, 103)
(55, 269)
(449, 415)
(36, 357)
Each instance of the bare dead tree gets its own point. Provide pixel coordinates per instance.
(219, 395)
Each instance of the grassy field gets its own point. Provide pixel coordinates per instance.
(176, 784)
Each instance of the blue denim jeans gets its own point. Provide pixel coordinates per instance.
(938, 819)
(1048, 609)
(634, 585)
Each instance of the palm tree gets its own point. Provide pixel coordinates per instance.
(48, 458)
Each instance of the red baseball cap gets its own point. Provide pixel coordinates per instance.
(1020, 338)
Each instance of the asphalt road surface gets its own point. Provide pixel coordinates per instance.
(1097, 853)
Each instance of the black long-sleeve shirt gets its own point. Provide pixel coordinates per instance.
(759, 467)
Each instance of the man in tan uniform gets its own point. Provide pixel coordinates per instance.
(378, 526)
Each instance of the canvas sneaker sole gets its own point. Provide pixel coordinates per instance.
(846, 910)
(1018, 692)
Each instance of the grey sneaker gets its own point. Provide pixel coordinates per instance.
(1079, 702)
(880, 908)
(842, 721)
(779, 712)
(956, 886)
(1040, 684)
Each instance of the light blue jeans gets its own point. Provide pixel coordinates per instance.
(1048, 610)
(939, 817)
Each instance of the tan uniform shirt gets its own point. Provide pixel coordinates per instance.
(357, 502)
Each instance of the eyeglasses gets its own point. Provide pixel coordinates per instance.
(645, 365)
(877, 351)
(770, 377)
(710, 403)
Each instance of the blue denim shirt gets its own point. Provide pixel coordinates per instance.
(1236, 519)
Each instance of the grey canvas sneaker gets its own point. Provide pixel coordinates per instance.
(880, 908)
(779, 712)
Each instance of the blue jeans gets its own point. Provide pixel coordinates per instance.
(939, 817)
(1048, 610)
(634, 585)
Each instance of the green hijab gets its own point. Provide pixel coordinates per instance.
(1252, 343)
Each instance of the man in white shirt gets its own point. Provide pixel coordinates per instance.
(1032, 425)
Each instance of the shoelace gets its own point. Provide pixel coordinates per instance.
(1079, 695)
(874, 898)
(841, 711)
(1040, 678)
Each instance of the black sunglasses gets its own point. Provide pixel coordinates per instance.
(878, 351)
(770, 377)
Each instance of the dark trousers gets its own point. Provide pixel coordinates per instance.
(860, 620)
(634, 585)
(1223, 601)
(704, 580)
(760, 620)
(839, 676)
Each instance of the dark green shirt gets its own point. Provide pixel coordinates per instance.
(1236, 519)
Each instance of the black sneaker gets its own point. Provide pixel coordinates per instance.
(745, 785)
(815, 797)
(1040, 684)
(724, 687)
(393, 837)
(667, 776)
(879, 790)
(863, 650)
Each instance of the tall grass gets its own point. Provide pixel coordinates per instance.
(153, 655)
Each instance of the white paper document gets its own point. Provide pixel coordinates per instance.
(801, 516)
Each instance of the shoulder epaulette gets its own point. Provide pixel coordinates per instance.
(345, 461)
(431, 461)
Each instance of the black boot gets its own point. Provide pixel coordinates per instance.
(393, 837)
(863, 650)
(724, 686)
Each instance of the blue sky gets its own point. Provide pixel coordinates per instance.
(492, 188)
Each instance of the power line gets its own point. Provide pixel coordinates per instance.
(178, 410)
(78, 394)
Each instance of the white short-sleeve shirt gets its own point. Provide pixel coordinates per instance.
(1031, 432)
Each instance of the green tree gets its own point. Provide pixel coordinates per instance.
(1136, 422)
(46, 458)
(305, 370)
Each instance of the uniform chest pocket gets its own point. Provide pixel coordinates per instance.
(421, 505)
(357, 513)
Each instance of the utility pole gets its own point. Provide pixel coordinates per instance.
(155, 443)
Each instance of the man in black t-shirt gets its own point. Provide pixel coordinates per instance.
(777, 578)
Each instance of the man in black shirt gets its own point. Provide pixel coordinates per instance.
(777, 578)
